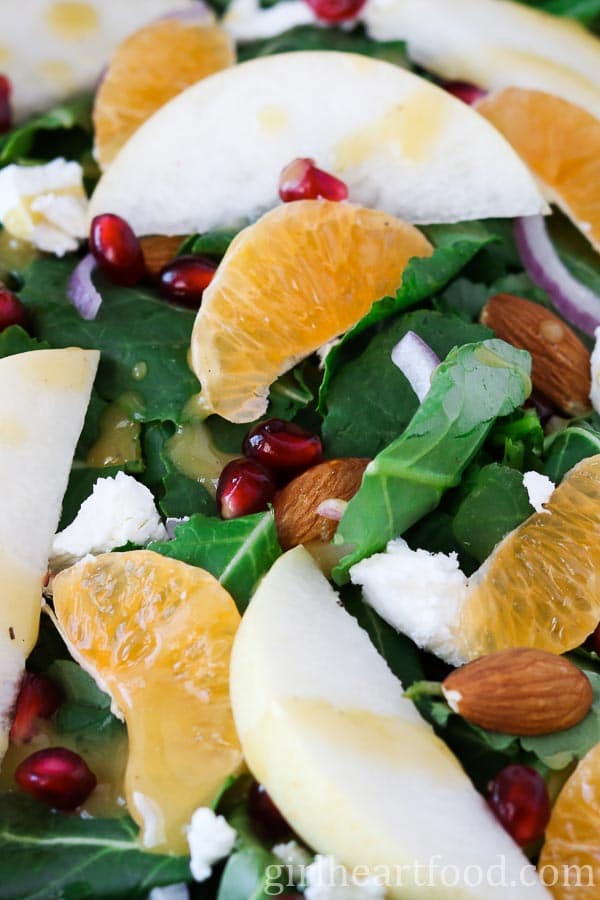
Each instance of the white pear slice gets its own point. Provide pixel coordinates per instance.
(494, 44)
(212, 156)
(43, 399)
(51, 50)
(346, 757)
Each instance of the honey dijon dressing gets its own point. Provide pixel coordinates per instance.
(192, 449)
(119, 439)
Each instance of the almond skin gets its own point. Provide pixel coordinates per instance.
(158, 250)
(560, 361)
(520, 691)
(295, 506)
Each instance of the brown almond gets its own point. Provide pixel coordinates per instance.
(158, 250)
(520, 691)
(296, 516)
(560, 361)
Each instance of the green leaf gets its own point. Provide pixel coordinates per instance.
(178, 495)
(566, 448)
(370, 388)
(85, 707)
(48, 855)
(211, 243)
(311, 37)
(132, 326)
(476, 384)
(35, 137)
(497, 503)
(236, 551)
(15, 340)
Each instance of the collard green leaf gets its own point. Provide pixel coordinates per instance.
(311, 37)
(476, 384)
(52, 856)
(236, 551)
(63, 131)
(177, 495)
(85, 708)
(566, 448)
(15, 340)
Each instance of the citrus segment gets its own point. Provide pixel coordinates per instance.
(156, 634)
(572, 847)
(297, 278)
(149, 68)
(560, 142)
(541, 586)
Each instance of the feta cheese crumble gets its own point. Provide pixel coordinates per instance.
(45, 205)
(210, 838)
(416, 592)
(595, 367)
(246, 20)
(326, 879)
(171, 892)
(539, 489)
(296, 859)
(119, 511)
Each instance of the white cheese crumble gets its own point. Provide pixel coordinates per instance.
(245, 20)
(171, 892)
(45, 205)
(416, 592)
(539, 489)
(296, 858)
(326, 879)
(595, 367)
(210, 838)
(119, 511)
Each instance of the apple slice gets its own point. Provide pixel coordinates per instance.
(212, 156)
(346, 757)
(43, 399)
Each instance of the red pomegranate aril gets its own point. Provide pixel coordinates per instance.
(302, 180)
(12, 311)
(5, 104)
(462, 90)
(245, 487)
(57, 776)
(336, 10)
(38, 698)
(519, 799)
(116, 249)
(185, 279)
(283, 446)
(265, 814)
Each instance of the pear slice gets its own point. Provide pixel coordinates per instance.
(346, 757)
(43, 399)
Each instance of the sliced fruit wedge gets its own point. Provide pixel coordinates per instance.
(211, 157)
(494, 44)
(345, 756)
(43, 399)
(156, 634)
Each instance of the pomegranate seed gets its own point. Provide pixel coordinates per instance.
(462, 90)
(116, 249)
(283, 447)
(302, 180)
(518, 797)
(57, 776)
(336, 10)
(12, 311)
(5, 105)
(244, 487)
(38, 698)
(265, 814)
(185, 279)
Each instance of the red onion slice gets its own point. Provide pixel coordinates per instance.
(417, 362)
(81, 290)
(575, 301)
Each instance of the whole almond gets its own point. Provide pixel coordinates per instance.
(520, 691)
(158, 250)
(297, 505)
(560, 361)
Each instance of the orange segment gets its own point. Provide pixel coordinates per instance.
(541, 586)
(149, 68)
(157, 635)
(572, 847)
(300, 276)
(560, 142)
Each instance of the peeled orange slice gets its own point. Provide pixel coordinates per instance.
(297, 278)
(156, 634)
(541, 586)
(560, 142)
(572, 847)
(148, 69)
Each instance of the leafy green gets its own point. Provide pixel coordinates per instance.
(85, 707)
(15, 340)
(177, 494)
(385, 398)
(236, 551)
(211, 243)
(311, 37)
(566, 448)
(476, 384)
(71, 124)
(519, 438)
(48, 855)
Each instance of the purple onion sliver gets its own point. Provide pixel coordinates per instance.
(575, 301)
(417, 362)
(81, 289)
(199, 12)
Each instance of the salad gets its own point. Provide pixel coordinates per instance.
(300, 450)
